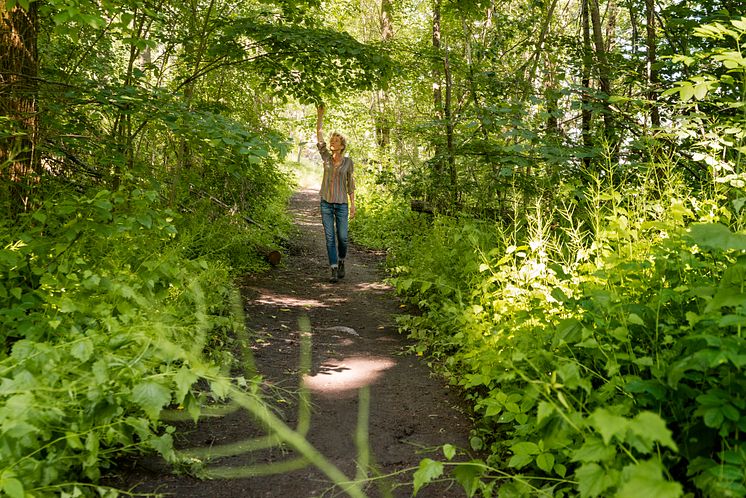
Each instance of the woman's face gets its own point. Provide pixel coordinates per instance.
(335, 143)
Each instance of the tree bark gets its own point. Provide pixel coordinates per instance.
(383, 126)
(652, 72)
(604, 75)
(586, 114)
(19, 66)
(437, 76)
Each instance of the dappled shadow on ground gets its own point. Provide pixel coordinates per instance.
(353, 345)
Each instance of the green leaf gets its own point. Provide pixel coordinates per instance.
(427, 471)
(686, 91)
(449, 451)
(13, 487)
(525, 448)
(468, 476)
(646, 429)
(543, 411)
(151, 396)
(184, 379)
(593, 450)
(82, 350)
(593, 480)
(646, 479)
(520, 460)
(717, 236)
(635, 319)
(714, 417)
(608, 424)
(545, 462)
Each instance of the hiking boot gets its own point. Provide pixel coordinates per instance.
(341, 269)
(335, 276)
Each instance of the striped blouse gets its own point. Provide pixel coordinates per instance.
(338, 181)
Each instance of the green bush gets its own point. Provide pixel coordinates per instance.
(108, 314)
(601, 344)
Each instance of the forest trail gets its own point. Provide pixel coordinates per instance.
(354, 344)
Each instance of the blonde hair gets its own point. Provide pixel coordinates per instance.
(342, 139)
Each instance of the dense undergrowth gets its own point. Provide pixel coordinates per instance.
(112, 307)
(600, 339)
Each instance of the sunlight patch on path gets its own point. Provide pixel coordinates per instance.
(373, 286)
(348, 374)
(289, 301)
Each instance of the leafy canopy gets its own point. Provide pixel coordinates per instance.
(307, 63)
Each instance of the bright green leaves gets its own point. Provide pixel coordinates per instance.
(111, 321)
(696, 88)
(600, 471)
(638, 480)
(717, 236)
(594, 480)
(427, 471)
(24, 4)
(467, 474)
(310, 64)
(152, 397)
(646, 479)
(10, 485)
(641, 432)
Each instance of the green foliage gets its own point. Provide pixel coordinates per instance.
(108, 314)
(383, 223)
(307, 63)
(600, 343)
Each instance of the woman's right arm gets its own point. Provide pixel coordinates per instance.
(319, 123)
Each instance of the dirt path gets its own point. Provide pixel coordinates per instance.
(354, 344)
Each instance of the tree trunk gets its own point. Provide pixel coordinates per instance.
(604, 76)
(652, 72)
(438, 163)
(448, 115)
(19, 65)
(383, 127)
(586, 114)
(194, 49)
(437, 76)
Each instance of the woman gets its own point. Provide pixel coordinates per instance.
(337, 186)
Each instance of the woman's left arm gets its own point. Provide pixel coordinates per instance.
(351, 188)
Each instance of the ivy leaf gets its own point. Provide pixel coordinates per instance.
(646, 479)
(429, 469)
(151, 396)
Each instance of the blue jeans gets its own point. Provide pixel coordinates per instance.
(335, 214)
